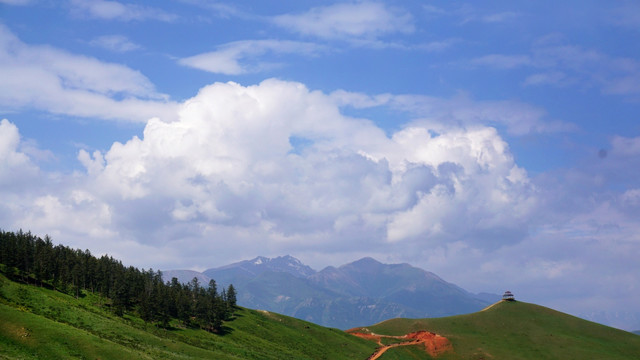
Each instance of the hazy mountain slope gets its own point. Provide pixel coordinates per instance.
(619, 318)
(402, 284)
(284, 293)
(518, 330)
(281, 292)
(360, 292)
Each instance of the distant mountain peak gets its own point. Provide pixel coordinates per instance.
(260, 260)
(291, 259)
(260, 264)
(366, 263)
(286, 260)
(367, 260)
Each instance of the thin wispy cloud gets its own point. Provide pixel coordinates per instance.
(467, 13)
(369, 20)
(16, 2)
(114, 10)
(556, 78)
(437, 46)
(565, 65)
(117, 43)
(518, 118)
(219, 8)
(626, 14)
(503, 61)
(500, 17)
(61, 82)
(248, 56)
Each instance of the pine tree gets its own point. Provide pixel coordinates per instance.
(213, 288)
(231, 296)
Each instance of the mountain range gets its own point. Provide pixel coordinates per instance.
(365, 291)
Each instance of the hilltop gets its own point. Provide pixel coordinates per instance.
(513, 330)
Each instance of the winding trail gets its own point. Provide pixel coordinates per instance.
(434, 344)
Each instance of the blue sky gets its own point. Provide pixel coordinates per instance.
(495, 143)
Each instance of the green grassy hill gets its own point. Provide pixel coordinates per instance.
(38, 323)
(515, 330)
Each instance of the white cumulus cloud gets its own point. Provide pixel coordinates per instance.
(15, 165)
(281, 161)
(278, 166)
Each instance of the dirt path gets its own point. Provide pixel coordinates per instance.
(434, 344)
(488, 307)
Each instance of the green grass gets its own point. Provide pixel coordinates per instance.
(517, 330)
(390, 341)
(38, 323)
(411, 352)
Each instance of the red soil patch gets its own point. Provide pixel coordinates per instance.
(434, 344)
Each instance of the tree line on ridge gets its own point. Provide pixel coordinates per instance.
(31, 259)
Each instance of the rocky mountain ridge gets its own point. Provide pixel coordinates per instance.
(365, 291)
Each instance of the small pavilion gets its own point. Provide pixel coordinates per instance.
(508, 296)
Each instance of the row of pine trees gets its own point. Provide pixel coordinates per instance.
(31, 259)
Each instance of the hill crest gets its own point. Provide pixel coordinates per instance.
(507, 328)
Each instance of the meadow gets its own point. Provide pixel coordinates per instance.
(40, 323)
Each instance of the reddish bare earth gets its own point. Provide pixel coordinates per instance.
(434, 344)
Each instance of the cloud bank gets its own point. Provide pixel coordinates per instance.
(281, 162)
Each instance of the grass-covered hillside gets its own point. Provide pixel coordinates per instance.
(59, 303)
(515, 330)
(40, 323)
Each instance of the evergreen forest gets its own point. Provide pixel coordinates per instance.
(32, 260)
